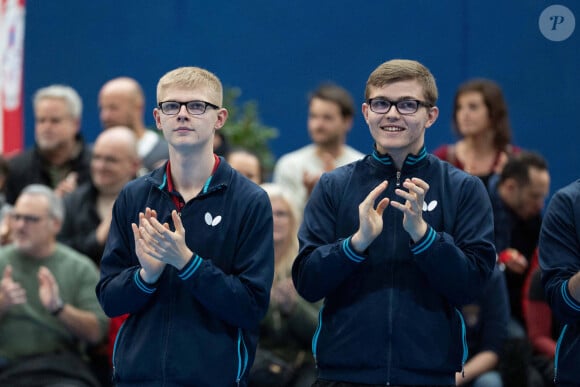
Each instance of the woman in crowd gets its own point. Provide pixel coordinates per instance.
(480, 119)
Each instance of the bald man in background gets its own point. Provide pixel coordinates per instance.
(122, 102)
(114, 163)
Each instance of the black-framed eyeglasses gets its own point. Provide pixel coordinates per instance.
(26, 218)
(195, 108)
(404, 106)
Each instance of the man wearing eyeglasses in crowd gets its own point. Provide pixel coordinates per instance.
(188, 255)
(394, 269)
(48, 308)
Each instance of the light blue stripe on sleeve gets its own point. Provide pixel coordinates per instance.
(431, 235)
(141, 284)
(192, 268)
(567, 299)
(350, 253)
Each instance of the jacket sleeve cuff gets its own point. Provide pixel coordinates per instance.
(142, 285)
(568, 299)
(425, 242)
(190, 267)
(349, 251)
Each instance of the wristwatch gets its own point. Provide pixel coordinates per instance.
(58, 309)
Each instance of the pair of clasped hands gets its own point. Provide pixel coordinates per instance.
(371, 217)
(156, 245)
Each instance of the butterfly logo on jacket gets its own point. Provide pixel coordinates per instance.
(211, 221)
(429, 207)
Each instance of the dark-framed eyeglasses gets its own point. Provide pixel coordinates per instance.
(26, 218)
(404, 106)
(195, 108)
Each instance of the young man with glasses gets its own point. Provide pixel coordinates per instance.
(188, 257)
(395, 243)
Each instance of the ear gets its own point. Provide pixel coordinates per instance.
(365, 112)
(432, 115)
(222, 117)
(56, 225)
(348, 122)
(156, 116)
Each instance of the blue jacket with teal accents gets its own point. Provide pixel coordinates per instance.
(197, 326)
(390, 315)
(559, 261)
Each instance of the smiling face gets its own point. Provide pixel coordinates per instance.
(395, 133)
(184, 129)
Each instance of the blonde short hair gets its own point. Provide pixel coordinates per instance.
(403, 70)
(192, 78)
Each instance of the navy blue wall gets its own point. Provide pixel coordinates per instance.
(278, 51)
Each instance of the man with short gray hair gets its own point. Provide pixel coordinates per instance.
(60, 158)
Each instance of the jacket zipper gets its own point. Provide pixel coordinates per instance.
(316, 335)
(242, 356)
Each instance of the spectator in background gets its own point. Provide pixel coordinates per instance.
(542, 327)
(284, 355)
(480, 119)
(122, 103)
(518, 195)
(89, 208)
(5, 208)
(330, 118)
(486, 320)
(560, 264)
(60, 158)
(247, 163)
(48, 308)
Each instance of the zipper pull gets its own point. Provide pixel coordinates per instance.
(398, 178)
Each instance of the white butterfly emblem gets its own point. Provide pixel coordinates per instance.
(211, 221)
(431, 206)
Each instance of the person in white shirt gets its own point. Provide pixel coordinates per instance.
(330, 118)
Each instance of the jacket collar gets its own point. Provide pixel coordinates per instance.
(218, 180)
(411, 161)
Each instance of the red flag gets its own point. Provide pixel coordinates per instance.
(12, 16)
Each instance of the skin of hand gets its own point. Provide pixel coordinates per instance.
(284, 295)
(67, 185)
(103, 229)
(48, 290)
(517, 262)
(310, 179)
(370, 219)
(11, 293)
(412, 209)
(157, 245)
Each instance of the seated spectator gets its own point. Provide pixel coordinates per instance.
(486, 321)
(60, 158)
(89, 208)
(5, 208)
(284, 355)
(122, 103)
(480, 119)
(48, 306)
(247, 163)
(541, 325)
